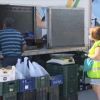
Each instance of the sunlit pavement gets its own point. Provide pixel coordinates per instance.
(87, 95)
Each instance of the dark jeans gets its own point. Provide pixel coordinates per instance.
(9, 61)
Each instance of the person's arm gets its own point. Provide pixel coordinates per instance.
(24, 47)
(96, 55)
(23, 44)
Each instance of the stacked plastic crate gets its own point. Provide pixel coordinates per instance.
(80, 62)
(41, 84)
(47, 93)
(8, 90)
(82, 85)
(68, 90)
(26, 89)
(47, 88)
(38, 88)
(33, 88)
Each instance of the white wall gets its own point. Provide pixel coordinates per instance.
(87, 5)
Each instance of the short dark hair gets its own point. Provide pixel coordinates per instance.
(95, 32)
(9, 22)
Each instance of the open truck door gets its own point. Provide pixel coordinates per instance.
(29, 20)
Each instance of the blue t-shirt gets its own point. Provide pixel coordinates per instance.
(11, 42)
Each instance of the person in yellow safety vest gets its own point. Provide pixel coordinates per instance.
(94, 54)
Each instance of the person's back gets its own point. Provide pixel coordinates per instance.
(12, 43)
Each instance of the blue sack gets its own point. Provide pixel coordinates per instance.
(88, 62)
(29, 34)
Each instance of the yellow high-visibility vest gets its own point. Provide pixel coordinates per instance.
(94, 72)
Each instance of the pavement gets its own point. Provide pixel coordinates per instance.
(87, 95)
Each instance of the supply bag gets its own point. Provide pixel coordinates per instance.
(35, 71)
(18, 74)
(40, 68)
(23, 68)
(88, 62)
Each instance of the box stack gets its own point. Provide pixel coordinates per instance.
(87, 83)
(82, 85)
(43, 81)
(33, 88)
(47, 93)
(26, 95)
(30, 86)
(69, 87)
(8, 90)
(47, 88)
(81, 79)
(26, 91)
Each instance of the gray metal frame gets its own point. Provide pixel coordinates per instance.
(17, 13)
(35, 22)
(53, 50)
(49, 37)
(48, 51)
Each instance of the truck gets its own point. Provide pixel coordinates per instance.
(67, 24)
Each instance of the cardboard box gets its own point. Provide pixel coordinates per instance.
(7, 74)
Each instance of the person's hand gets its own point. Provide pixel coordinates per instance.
(83, 56)
(86, 55)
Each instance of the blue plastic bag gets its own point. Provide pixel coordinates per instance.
(29, 34)
(88, 62)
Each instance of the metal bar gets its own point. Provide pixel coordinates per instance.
(95, 19)
(48, 51)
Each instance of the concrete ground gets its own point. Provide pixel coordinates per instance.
(87, 95)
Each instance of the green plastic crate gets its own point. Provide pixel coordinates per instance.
(67, 91)
(80, 73)
(54, 93)
(9, 87)
(68, 71)
(26, 95)
(47, 93)
(11, 96)
(43, 81)
(70, 79)
(68, 87)
(1, 88)
(41, 93)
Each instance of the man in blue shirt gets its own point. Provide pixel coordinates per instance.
(12, 43)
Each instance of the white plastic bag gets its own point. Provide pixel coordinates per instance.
(18, 74)
(18, 66)
(34, 71)
(26, 69)
(39, 67)
(31, 70)
(23, 68)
